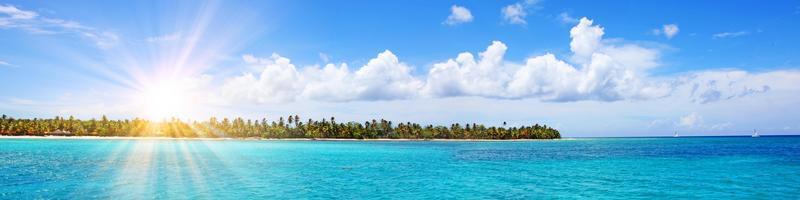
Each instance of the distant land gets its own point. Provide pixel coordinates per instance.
(289, 127)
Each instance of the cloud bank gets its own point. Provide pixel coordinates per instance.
(596, 70)
(382, 78)
(599, 71)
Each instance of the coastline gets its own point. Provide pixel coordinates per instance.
(262, 139)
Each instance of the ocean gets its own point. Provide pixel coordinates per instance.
(598, 168)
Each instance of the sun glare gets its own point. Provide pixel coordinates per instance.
(164, 100)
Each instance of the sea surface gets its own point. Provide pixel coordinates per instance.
(596, 168)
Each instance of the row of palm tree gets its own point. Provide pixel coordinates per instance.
(289, 127)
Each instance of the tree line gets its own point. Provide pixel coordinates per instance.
(289, 127)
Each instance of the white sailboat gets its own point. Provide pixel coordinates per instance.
(755, 133)
(676, 134)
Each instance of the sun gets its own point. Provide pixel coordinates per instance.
(164, 100)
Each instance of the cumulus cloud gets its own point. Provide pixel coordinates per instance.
(586, 38)
(668, 30)
(458, 15)
(596, 70)
(279, 81)
(13, 17)
(601, 71)
(724, 35)
(382, 78)
(514, 14)
(464, 75)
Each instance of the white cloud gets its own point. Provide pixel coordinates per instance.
(586, 38)
(713, 86)
(514, 14)
(382, 78)
(13, 17)
(597, 70)
(724, 35)
(668, 30)
(278, 82)
(385, 77)
(15, 13)
(564, 17)
(690, 120)
(731, 98)
(6, 64)
(466, 76)
(458, 15)
(604, 71)
(695, 121)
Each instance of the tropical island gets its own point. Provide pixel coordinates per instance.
(284, 128)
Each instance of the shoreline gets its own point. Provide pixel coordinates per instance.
(260, 139)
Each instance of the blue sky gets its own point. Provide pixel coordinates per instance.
(590, 69)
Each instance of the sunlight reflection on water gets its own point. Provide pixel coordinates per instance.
(573, 168)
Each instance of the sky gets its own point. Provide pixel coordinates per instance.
(619, 68)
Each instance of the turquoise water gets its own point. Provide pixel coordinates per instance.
(666, 168)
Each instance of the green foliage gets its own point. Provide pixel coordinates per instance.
(292, 127)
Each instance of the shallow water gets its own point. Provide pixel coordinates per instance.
(666, 168)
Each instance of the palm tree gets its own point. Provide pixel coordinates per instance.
(240, 127)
